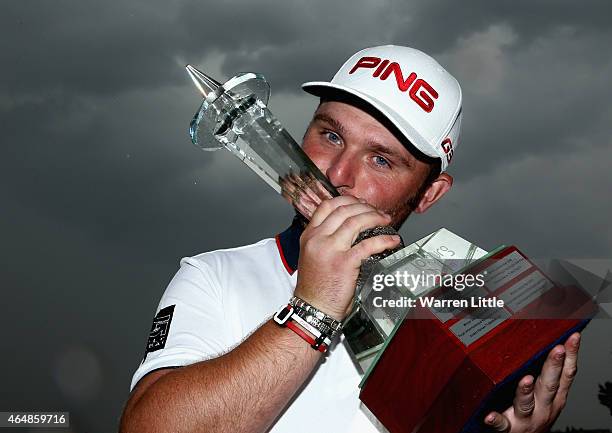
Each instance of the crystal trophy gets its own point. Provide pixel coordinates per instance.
(235, 116)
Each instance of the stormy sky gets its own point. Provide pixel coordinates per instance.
(102, 192)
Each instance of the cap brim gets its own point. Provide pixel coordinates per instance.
(323, 88)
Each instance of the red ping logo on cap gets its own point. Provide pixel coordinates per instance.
(420, 91)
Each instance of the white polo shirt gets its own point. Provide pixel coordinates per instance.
(218, 298)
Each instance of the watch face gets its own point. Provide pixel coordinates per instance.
(283, 315)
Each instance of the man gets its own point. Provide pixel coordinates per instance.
(384, 134)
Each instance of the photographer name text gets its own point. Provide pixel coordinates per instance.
(432, 302)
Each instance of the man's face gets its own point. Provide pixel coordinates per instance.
(362, 158)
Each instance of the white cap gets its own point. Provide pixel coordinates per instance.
(410, 89)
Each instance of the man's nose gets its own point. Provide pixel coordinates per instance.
(341, 172)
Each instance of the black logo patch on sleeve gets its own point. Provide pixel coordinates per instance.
(159, 330)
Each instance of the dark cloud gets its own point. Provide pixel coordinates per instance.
(543, 98)
(87, 47)
(436, 25)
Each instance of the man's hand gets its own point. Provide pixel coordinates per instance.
(537, 406)
(329, 263)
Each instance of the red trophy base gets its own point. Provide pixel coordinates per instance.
(445, 375)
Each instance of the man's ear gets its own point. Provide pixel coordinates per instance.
(436, 190)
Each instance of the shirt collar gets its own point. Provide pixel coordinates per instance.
(288, 243)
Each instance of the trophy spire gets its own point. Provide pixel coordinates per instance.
(203, 82)
(235, 116)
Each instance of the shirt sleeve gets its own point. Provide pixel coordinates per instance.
(188, 324)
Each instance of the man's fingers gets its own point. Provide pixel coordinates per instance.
(498, 422)
(305, 207)
(373, 245)
(524, 399)
(328, 206)
(547, 384)
(348, 230)
(346, 222)
(570, 368)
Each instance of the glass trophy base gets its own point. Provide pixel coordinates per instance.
(371, 324)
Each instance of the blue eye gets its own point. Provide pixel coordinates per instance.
(379, 160)
(333, 137)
